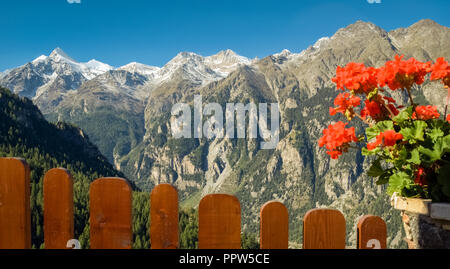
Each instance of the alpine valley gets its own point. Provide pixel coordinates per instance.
(126, 113)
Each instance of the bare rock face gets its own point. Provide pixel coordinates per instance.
(425, 40)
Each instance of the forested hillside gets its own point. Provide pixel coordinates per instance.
(25, 133)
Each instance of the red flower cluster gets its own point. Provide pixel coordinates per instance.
(389, 138)
(402, 74)
(336, 139)
(394, 74)
(377, 108)
(425, 113)
(356, 77)
(440, 70)
(448, 118)
(372, 109)
(369, 82)
(344, 102)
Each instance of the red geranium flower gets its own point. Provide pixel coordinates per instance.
(376, 143)
(402, 74)
(448, 118)
(356, 77)
(372, 109)
(441, 70)
(387, 138)
(334, 154)
(426, 113)
(336, 138)
(344, 102)
(391, 137)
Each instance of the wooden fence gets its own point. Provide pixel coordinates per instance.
(111, 217)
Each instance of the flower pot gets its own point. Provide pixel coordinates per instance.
(426, 224)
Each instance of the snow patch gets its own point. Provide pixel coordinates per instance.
(40, 59)
(139, 68)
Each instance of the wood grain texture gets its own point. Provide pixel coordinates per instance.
(219, 222)
(110, 214)
(371, 232)
(58, 208)
(274, 226)
(323, 229)
(15, 218)
(164, 217)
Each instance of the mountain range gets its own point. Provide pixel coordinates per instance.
(126, 112)
(83, 93)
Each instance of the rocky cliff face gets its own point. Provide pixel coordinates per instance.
(296, 172)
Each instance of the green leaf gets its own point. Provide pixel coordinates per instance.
(435, 133)
(404, 115)
(446, 144)
(397, 182)
(366, 152)
(415, 157)
(402, 154)
(383, 179)
(415, 133)
(385, 125)
(372, 94)
(430, 155)
(440, 146)
(381, 126)
(372, 132)
(375, 169)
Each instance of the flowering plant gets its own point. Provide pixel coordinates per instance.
(410, 145)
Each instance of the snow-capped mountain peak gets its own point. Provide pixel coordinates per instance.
(184, 58)
(321, 42)
(40, 59)
(139, 68)
(58, 54)
(226, 57)
(94, 68)
(201, 69)
(226, 61)
(283, 53)
(60, 62)
(88, 69)
(56, 73)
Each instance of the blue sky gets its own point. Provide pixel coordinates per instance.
(152, 32)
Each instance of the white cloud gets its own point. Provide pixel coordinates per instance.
(74, 1)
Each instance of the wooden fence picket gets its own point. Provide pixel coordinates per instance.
(110, 214)
(323, 229)
(58, 208)
(371, 232)
(15, 215)
(274, 226)
(164, 217)
(219, 222)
